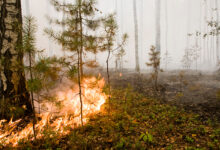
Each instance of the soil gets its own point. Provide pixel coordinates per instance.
(194, 91)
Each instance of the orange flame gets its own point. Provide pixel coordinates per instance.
(69, 116)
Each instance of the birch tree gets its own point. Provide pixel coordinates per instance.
(14, 97)
(137, 68)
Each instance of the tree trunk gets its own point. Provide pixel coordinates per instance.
(166, 35)
(158, 2)
(14, 97)
(142, 51)
(81, 40)
(116, 58)
(137, 68)
(205, 44)
(32, 94)
(212, 59)
(217, 36)
(108, 78)
(201, 33)
(80, 62)
(80, 88)
(63, 26)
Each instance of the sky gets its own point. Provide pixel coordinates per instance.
(183, 16)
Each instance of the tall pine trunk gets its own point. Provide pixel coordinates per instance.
(137, 68)
(81, 39)
(108, 78)
(63, 26)
(14, 97)
(80, 60)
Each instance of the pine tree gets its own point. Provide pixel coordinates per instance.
(41, 73)
(80, 25)
(78, 36)
(28, 47)
(155, 64)
(110, 26)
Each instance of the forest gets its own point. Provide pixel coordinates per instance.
(110, 74)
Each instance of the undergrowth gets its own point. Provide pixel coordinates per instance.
(137, 122)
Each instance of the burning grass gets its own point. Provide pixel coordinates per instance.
(60, 123)
(133, 122)
(137, 122)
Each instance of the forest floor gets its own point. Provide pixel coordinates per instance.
(194, 91)
(184, 114)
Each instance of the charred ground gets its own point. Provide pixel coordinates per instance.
(197, 92)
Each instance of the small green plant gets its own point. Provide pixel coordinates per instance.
(217, 132)
(170, 147)
(202, 130)
(147, 137)
(211, 145)
(189, 139)
(121, 144)
(120, 126)
(179, 95)
(193, 148)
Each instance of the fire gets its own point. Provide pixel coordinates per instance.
(120, 75)
(67, 118)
